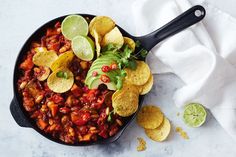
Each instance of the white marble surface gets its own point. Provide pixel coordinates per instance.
(19, 18)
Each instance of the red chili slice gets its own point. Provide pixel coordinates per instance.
(104, 78)
(105, 68)
(114, 66)
(95, 73)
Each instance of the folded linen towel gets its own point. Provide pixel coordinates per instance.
(203, 56)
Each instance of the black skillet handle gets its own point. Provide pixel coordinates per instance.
(18, 115)
(183, 21)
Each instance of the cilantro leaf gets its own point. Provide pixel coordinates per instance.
(123, 73)
(132, 64)
(119, 83)
(120, 64)
(127, 52)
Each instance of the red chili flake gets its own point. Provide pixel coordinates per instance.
(114, 66)
(95, 73)
(104, 78)
(105, 68)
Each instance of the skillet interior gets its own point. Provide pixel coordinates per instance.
(17, 100)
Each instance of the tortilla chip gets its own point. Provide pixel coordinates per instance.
(147, 86)
(130, 42)
(62, 61)
(98, 39)
(60, 84)
(139, 76)
(160, 133)
(125, 101)
(150, 117)
(113, 37)
(101, 24)
(44, 57)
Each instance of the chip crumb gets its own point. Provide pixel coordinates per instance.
(182, 133)
(141, 145)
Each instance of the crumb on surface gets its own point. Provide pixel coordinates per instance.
(182, 133)
(141, 144)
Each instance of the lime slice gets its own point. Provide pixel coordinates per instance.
(83, 47)
(74, 25)
(194, 115)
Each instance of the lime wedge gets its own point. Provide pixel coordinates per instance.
(194, 115)
(74, 25)
(83, 47)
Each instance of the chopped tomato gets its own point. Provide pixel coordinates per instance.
(80, 118)
(64, 110)
(54, 46)
(41, 124)
(54, 108)
(113, 130)
(58, 25)
(91, 96)
(28, 63)
(102, 118)
(83, 129)
(103, 130)
(86, 137)
(76, 90)
(51, 32)
(57, 98)
(98, 103)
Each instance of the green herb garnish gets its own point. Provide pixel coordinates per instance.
(110, 47)
(62, 74)
(119, 83)
(123, 73)
(132, 64)
(143, 53)
(127, 59)
(109, 118)
(137, 44)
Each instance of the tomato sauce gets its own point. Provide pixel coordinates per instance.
(77, 115)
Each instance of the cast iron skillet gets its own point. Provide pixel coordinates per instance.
(186, 19)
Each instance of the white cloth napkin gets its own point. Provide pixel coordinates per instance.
(203, 56)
